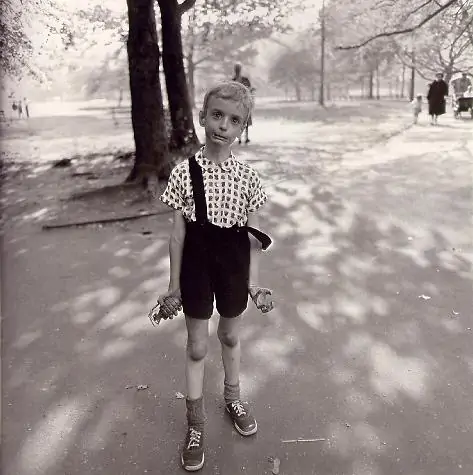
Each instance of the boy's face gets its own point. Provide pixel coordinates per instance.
(224, 120)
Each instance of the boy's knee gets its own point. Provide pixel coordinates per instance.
(197, 350)
(228, 338)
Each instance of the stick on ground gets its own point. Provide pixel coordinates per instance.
(116, 219)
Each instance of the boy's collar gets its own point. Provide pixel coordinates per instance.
(227, 165)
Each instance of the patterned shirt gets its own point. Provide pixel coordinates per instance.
(232, 190)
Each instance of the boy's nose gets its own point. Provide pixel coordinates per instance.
(224, 123)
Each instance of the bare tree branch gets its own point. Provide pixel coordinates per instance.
(420, 7)
(281, 43)
(184, 6)
(400, 31)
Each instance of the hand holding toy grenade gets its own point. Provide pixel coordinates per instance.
(169, 305)
(262, 298)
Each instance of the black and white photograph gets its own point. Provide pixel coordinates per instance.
(236, 237)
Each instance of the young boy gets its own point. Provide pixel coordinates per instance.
(416, 105)
(215, 198)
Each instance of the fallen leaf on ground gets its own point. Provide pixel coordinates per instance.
(276, 463)
(140, 387)
(424, 297)
(179, 395)
(129, 386)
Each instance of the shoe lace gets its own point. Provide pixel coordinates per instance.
(194, 438)
(238, 408)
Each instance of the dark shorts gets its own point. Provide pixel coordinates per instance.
(215, 265)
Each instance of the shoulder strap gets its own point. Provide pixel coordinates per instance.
(198, 190)
(262, 237)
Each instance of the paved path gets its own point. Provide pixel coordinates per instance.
(370, 347)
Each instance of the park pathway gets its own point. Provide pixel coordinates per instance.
(369, 348)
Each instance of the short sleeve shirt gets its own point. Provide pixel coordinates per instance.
(232, 190)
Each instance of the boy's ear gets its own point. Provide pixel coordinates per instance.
(202, 118)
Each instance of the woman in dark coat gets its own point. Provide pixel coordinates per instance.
(436, 97)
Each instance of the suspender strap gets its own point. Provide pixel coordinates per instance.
(263, 238)
(198, 190)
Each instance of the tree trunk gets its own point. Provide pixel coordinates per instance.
(191, 78)
(378, 82)
(449, 72)
(413, 79)
(403, 81)
(147, 113)
(322, 56)
(183, 132)
(297, 88)
(190, 65)
(370, 90)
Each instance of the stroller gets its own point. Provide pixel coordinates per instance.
(462, 100)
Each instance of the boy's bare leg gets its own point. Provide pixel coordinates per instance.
(192, 455)
(229, 335)
(197, 340)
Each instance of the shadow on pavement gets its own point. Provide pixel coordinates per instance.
(369, 347)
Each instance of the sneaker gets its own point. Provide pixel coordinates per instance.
(243, 421)
(192, 456)
(247, 141)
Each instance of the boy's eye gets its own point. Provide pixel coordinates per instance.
(236, 120)
(217, 114)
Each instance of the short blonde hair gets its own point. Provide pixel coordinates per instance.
(232, 91)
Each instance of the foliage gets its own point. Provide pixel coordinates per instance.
(294, 68)
(99, 57)
(444, 45)
(219, 33)
(367, 21)
(19, 41)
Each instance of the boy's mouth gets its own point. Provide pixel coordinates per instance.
(221, 138)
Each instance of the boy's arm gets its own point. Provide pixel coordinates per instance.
(176, 244)
(253, 221)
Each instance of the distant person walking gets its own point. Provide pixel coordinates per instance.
(416, 105)
(20, 109)
(462, 84)
(246, 82)
(436, 98)
(27, 108)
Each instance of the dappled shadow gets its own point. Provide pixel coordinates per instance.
(92, 188)
(369, 347)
